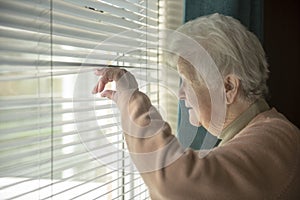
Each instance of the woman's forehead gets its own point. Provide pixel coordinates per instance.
(186, 69)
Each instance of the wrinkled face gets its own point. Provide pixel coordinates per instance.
(196, 95)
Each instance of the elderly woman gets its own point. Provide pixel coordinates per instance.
(259, 155)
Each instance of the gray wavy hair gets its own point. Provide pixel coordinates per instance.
(234, 49)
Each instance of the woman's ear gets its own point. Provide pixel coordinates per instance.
(231, 84)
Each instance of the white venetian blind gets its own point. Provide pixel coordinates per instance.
(55, 135)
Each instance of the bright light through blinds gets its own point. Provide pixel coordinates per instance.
(45, 46)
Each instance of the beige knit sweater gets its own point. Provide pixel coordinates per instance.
(261, 161)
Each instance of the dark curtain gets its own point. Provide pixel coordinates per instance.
(250, 13)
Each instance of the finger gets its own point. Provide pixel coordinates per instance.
(111, 94)
(94, 91)
(99, 72)
(124, 80)
(111, 73)
(101, 82)
(100, 85)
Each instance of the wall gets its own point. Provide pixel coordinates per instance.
(281, 42)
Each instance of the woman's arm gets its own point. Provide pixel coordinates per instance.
(242, 169)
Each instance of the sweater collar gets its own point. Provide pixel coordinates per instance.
(241, 121)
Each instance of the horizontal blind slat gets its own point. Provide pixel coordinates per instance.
(10, 45)
(75, 10)
(64, 159)
(111, 9)
(29, 24)
(10, 159)
(133, 6)
(56, 182)
(82, 43)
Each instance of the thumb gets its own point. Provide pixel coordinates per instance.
(111, 94)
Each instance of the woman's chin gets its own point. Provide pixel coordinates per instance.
(194, 122)
(193, 119)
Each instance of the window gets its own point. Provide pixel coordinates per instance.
(52, 128)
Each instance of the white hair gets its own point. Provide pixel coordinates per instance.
(234, 49)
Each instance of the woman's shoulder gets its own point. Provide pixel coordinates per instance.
(273, 121)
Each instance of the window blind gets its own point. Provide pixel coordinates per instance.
(50, 123)
(171, 17)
